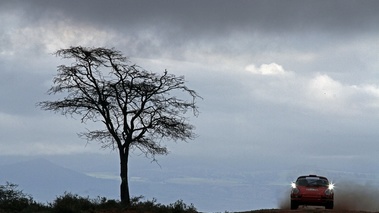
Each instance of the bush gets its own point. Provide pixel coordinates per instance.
(70, 203)
(152, 206)
(179, 207)
(103, 203)
(14, 200)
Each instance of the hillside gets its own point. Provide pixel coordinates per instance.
(303, 211)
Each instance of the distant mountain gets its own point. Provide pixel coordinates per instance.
(45, 181)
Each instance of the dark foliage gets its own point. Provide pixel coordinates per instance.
(13, 200)
(70, 203)
(152, 206)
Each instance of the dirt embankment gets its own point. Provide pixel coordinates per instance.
(304, 210)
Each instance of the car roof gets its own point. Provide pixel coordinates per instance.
(314, 176)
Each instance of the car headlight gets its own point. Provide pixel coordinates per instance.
(293, 185)
(295, 191)
(331, 186)
(328, 192)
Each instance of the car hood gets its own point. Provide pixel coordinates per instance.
(312, 190)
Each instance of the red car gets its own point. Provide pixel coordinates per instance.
(312, 190)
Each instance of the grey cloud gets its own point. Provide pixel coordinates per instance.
(147, 28)
(214, 16)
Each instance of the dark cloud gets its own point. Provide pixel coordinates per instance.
(167, 27)
(213, 16)
(234, 29)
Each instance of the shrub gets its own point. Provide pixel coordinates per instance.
(152, 206)
(70, 203)
(14, 200)
(179, 207)
(103, 203)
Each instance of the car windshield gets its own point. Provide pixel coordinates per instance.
(312, 181)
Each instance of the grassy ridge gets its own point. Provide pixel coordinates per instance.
(13, 200)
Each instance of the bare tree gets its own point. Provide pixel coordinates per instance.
(138, 108)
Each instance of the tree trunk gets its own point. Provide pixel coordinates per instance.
(124, 187)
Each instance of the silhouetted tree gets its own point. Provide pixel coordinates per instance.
(138, 108)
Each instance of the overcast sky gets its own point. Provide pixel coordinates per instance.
(294, 81)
